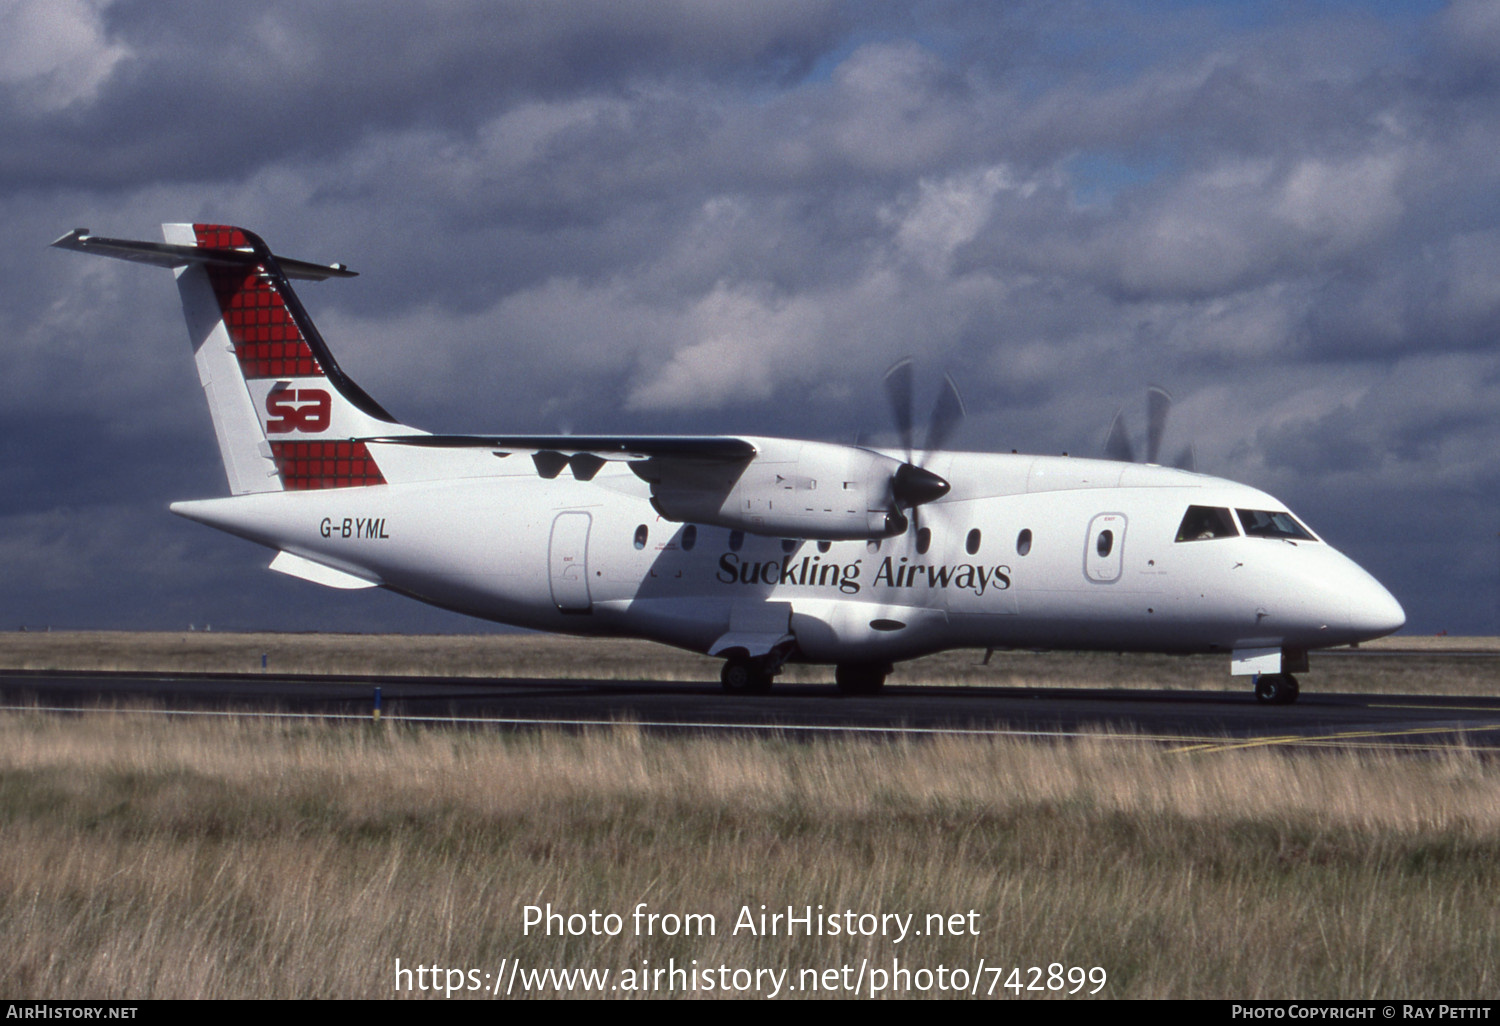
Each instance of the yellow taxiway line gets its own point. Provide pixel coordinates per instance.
(1339, 740)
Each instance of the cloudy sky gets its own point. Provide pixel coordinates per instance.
(728, 216)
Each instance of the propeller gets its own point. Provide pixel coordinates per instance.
(913, 485)
(1158, 407)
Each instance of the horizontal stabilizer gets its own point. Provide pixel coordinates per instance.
(165, 254)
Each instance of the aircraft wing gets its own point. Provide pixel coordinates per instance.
(771, 486)
(651, 457)
(706, 448)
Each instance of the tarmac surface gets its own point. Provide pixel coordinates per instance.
(1201, 720)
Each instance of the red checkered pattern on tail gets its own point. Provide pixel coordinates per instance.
(220, 236)
(266, 339)
(305, 466)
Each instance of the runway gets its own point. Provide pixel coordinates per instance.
(1187, 720)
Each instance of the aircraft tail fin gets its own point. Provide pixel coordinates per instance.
(285, 414)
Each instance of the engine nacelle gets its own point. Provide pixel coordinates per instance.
(790, 489)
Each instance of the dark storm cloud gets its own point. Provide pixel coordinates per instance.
(214, 90)
(714, 216)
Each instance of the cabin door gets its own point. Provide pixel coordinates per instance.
(1104, 556)
(568, 557)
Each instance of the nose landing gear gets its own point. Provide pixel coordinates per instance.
(1276, 689)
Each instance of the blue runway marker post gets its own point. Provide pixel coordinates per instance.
(262, 662)
(375, 713)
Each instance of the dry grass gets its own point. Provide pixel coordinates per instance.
(1460, 666)
(1433, 643)
(143, 857)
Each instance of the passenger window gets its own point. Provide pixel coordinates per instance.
(689, 537)
(824, 546)
(1259, 523)
(1201, 523)
(736, 540)
(1106, 543)
(1023, 542)
(788, 544)
(640, 537)
(971, 544)
(924, 540)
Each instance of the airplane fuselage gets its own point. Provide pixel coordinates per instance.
(1013, 559)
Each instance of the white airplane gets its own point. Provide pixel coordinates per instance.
(756, 550)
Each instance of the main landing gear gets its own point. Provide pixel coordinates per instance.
(861, 678)
(1276, 689)
(744, 676)
(747, 676)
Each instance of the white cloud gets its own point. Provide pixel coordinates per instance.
(1472, 29)
(54, 52)
(948, 213)
(1341, 204)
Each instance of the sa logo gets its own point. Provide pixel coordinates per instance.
(297, 409)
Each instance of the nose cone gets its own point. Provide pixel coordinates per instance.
(1368, 610)
(1316, 596)
(1374, 612)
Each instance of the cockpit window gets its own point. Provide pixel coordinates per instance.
(1203, 522)
(1259, 523)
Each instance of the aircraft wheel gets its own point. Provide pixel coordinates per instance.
(1277, 689)
(745, 676)
(860, 678)
(1293, 689)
